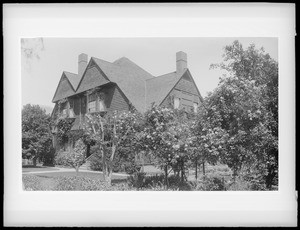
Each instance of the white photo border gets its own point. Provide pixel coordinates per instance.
(269, 208)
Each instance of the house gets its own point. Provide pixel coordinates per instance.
(101, 86)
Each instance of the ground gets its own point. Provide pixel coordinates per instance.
(46, 177)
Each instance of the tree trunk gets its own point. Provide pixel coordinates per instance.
(104, 166)
(109, 173)
(77, 170)
(182, 171)
(166, 176)
(203, 167)
(196, 170)
(34, 161)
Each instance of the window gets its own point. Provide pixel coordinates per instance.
(92, 103)
(92, 106)
(195, 107)
(101, 105)
(176, 103)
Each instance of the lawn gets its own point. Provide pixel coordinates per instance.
(31, 168)
(53, 181)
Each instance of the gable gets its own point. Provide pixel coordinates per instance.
(64, 89)
(91, 79)
(186, 90)
(159, 87)
(187, 85)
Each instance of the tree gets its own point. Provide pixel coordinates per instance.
(111, 132)
(76, 157)
(36, 135)
(247, 102)
(162, 139)
(208, 138)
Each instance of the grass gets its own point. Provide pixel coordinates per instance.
(53, 181)
(31, 168)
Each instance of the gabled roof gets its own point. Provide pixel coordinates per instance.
(140, 87)
(64, 88)
(125, 62)
(73, 78)
(129, 80)
(159, 87)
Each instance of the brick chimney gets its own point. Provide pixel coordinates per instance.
(82, 63)
(181, 61)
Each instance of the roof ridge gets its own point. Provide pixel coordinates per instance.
(69, 72)
(160, 76)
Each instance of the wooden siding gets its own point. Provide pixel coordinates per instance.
(116, 100)
(186, 91)
(64, 89)
(186, 86)
(91, 79)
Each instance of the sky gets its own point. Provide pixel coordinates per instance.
(41, 73)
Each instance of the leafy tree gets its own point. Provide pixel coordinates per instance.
(112, 132)
(163, 138)
(246, 100)
(208, 138)
(36, 135)
(76, 157)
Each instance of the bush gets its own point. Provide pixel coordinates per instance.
(77, 183)
(31, 183)
(120, 164)
(140, 180)
(61, 159)
(209, 183)
(137, 180)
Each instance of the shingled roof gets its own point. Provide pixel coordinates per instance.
(129, 78)
(73, 78)
(64, 88)
(157, 88)
(140, 87)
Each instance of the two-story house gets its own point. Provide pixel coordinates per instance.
(101, 86)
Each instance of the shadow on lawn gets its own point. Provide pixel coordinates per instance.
(37, 166)
(118, 181)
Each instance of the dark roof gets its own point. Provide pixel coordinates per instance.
(139, 86)
(130, 80)
(73, 78)
(159, 87)
(125, 62)
(64, 88)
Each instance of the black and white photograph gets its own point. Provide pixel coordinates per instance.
(168, 115)
(158, 114)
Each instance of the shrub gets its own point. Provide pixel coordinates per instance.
(209, 183)
(61, 158)
(78, 183)
(31, 183)
(120, 164)
(137, 180)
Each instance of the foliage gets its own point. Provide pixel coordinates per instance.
(137, 180)
(245, 104)
(63, 126)
(31, 183)
(36, 135)
(210, 183)
(76, 157)
(113, 132)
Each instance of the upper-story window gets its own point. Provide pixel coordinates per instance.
(176, 103)
(92, 103)
(195, 104)
(101, 105)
